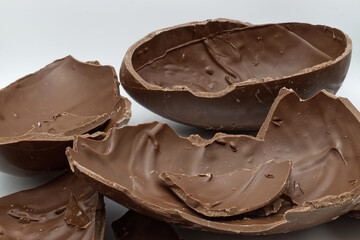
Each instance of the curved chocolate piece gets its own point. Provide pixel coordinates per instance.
(224, 75)
(134, 226)
(64, 208)
(232, 193)
(42, 111)
(318, 135)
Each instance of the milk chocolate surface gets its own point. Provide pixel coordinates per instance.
(233, 193)
(318, 135)
(134, 226)
(64, 208)
(42, 111)
(256, 53)
(223, 74)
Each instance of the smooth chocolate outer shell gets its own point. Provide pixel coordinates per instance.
(231, 193)
(168, 89)
(42, 111)
(64, 208)
(134, 226)
(319, 135)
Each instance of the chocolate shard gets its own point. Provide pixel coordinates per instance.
(75, 215)
(224, 74)
(42, 112)
(64, 208)
(232, 193)
(319, 135)
(134, 226)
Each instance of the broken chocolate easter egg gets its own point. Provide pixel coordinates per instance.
(319, 135)
(42, 111)
(64, 208)
(233, 193)
(134, 226)
(224, 75)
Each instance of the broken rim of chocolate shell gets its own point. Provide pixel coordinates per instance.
(223, 74)
(231, 193)
(134, 226)
(319, 135)
(42, 111)
(64, 208)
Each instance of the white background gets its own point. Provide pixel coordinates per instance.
(35, 33)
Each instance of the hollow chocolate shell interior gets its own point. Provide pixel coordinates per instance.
(318, 135)
(224, 75)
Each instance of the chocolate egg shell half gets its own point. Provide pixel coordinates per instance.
(41, 112)
(224, 75)
(319, 135)
(64, 208)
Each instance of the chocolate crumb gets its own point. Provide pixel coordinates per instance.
(220, 141)
(269, 175)
(233, 146)
(209, 70)
(277, 122)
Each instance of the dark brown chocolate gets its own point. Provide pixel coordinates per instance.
(355, 212)
(42, 111)
(232, 193)
(224, 75)
(134, 226)
(64, 208)
(318, 135)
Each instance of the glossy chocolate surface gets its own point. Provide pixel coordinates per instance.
(232, 193)
(42, 111)
(223, 74)
(64, 208)
(319, 136)
(134, 226)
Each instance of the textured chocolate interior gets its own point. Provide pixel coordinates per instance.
(232, 193)
(134, 226)
(223, 74)
(64, 208)
(42, 111)
(65, 86)
(259, 53)
(318, 135)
